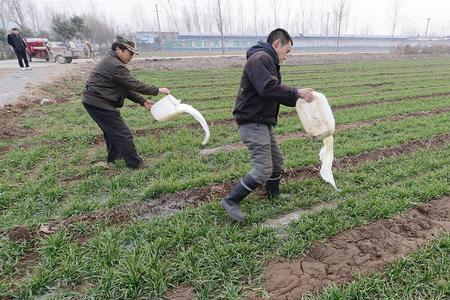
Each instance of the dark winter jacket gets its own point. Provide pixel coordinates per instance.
(261, 92)
(17, 42)
(110, 83)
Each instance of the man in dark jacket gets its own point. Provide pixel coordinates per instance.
(109, 84)
(256, 111)
(16, 41)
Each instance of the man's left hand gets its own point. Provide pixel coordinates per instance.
(148, 104)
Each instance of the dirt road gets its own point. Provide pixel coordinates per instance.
(15, 82)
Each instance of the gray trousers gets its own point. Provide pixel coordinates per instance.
(264, 151)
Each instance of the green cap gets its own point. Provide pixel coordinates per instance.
(127, 42)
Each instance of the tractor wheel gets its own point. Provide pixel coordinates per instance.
(96, 57)
(60, 59)
(68, 60)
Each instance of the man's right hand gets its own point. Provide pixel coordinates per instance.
(164, 91)
(306, 94)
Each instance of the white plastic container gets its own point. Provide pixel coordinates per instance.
(318, 121)
(169, 107)
(316, 116)
(166, 108)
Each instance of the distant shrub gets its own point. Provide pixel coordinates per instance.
(423, 49)
(6, 52)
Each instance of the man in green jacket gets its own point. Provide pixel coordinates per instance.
(110, 82)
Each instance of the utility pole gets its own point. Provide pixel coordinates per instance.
(157, 17)
(159, 28)
(428, 23)
(221, 27)
(338, 33)
(326, 29)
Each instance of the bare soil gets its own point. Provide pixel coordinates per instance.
(182, 292)
(203, 62)
(61, 89)
(361, 250)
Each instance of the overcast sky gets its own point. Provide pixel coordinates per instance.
(364, 16)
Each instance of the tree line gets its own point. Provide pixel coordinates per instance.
(238, 17)
(46, 22)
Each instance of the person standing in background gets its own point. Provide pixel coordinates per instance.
(16, 41)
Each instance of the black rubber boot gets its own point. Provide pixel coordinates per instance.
(232, 203)
(273, 188)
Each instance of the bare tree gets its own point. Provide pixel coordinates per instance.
(16, 13)
(366, 29)
(255, 15)
(101, 29)
(301, 24)
(409, 28)
(312, 22)
(172, 15)
(209, 18)
(196, 16)
(4, 15)
(395, 15)
(220, 24)
(228, 13)
(187, 19)
(323, 16)
(274, 5)
(341, 11)
(288, 15)
(140, 19)
(34, 16)
(241, 16)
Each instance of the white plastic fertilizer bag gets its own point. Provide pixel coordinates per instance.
(169, 107)
(318, 121)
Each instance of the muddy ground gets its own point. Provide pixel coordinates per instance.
(362, 250)
(359, 251)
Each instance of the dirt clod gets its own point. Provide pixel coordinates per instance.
(182, 292)
(20, 233)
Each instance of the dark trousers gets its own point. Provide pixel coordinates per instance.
(22, 55)
(118, 137)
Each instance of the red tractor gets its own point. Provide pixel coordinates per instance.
(37, 48)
